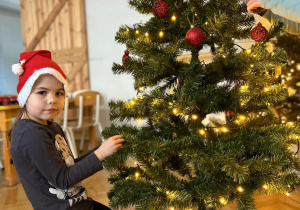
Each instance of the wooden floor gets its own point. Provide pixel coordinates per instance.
(14, 198)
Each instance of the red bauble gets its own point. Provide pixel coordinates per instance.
(194, 36)
(125, 56)
(160, 9)
(259, 33)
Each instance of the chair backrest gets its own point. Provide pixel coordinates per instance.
(88, 103)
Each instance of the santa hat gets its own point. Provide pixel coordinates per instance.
(32, 65)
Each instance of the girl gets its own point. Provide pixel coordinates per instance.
(45, 165)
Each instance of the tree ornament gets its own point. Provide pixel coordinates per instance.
(160, 9)
(194, 36)
(259, 33)
(125, 56)
(120, 167)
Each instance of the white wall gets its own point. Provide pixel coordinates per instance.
(10, 48)
(103, 19)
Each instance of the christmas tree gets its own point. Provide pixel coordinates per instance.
(208, 136)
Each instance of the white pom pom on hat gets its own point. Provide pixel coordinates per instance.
(32, 65)
(18, 68)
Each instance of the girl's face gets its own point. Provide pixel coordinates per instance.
(46, 99)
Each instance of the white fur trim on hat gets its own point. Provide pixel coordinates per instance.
(26, 90)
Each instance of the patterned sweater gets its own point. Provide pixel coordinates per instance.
(46, 168)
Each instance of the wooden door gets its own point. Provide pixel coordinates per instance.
(58, 26)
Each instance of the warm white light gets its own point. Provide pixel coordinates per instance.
(224, 129)
(240, 189)
(287, 194)
(201, 131)
(266, 89)
(137, 31)
(175, 111)
(194, 117)
(265, 186)
(248, 51)
(244, 88)
(146, 34)
(173, 18)
(161, 34)
(222, 200)
(137, 174)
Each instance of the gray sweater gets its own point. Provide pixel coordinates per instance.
(46, 168)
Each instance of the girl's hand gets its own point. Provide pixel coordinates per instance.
(109, 146)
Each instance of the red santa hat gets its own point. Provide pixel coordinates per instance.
(32, 65)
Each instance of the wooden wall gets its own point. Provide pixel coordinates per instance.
(58, 26)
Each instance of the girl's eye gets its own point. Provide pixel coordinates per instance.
(60, 93)
(42, 92)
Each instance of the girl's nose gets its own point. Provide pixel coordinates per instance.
(52, 99)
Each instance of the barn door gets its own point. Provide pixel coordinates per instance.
(58, 26)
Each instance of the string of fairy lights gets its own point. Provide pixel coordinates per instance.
(239, 119)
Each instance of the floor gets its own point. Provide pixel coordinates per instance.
(14, 198)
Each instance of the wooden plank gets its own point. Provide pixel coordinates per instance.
(76, 23)
(23, 15)
(72, 55)
(50, 28)
(83, 24)
(64, 27)
(45, 14)
(71, 24)
(46, 25)
(40, 20)
(76, 69)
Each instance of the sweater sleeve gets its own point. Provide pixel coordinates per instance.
(39, 147)
(289, 26)
(289, 9)
(87, 154)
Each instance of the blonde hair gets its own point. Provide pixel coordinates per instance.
(19, 116)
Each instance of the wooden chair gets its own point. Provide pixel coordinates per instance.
(87, 106)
